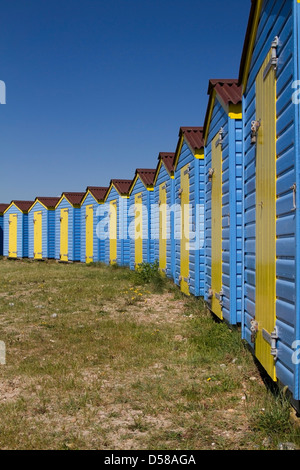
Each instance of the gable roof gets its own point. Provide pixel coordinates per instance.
(122, 186)
(229, 94)
(98, 192)
(167, 158)
(147, 177)
(193, 136)
(228, 90)
(3, 208)
(23, 206)
(73, 198)
(48, 202)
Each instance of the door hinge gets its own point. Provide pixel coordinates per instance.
(219, 296)
(294, 188)
(185, 279)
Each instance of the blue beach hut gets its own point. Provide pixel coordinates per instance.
(269, 76)
(92, 248)
(115, 229)
(16, 229)
(141, 199)
(189, 211)
(68, 227)
(164, 200)
(223, 200)
(41, 228)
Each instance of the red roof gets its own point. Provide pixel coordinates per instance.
(24, 206)
(122, 186)
(147, 175)
(193, 136)
(98, 192)
(167, 159)
(49, 202)
(3, 207)
(74, 198)
(229, 90)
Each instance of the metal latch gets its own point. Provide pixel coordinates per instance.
(272, 338)
(221, 136)
(273, 62)
(187, 171)
(185, 279)
(210, 174)
(255, 125)
(180, 191)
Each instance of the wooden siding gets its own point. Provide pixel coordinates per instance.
(231, 212)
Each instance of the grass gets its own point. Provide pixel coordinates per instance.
(103, 358)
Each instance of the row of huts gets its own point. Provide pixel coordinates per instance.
(230, 230)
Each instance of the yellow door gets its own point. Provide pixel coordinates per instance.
(138, 228)
(163, 227)
(185, 230)
(64, 234)
(89, 234)
(37, 249)
(113, 231)
(265, 314)
(13, 235)
(216, 228)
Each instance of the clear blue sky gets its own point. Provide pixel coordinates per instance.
(96, 89)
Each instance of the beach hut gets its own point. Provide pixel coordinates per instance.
(141, 199)
(269, 76)
(3, 207)
(92, 248)
(114, 228)
(16, 229)
(189, 211)
(164, 200)
(68, 227)
(41, 228)
(223, 200)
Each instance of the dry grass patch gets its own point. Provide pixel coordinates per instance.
(97, 360)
